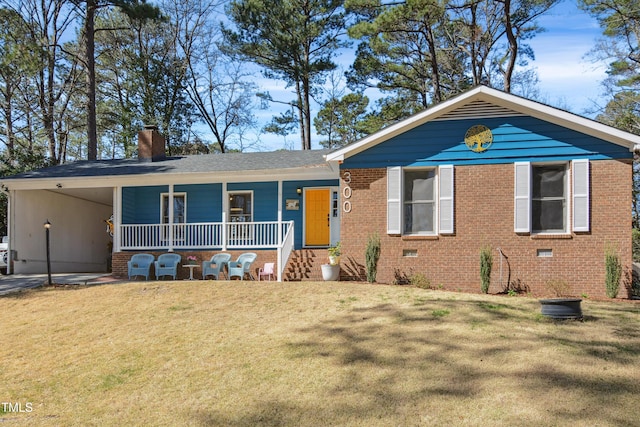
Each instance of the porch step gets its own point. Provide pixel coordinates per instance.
(303, 265)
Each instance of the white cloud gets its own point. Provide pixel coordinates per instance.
(567, 75)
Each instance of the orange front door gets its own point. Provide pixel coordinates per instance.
(316, 215)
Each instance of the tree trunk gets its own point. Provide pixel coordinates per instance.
(435, 74)
(9, 121)
(90, 63)
(301, 109)
(513, 47)
(307, 115)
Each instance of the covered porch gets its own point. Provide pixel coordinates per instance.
(202, 239)
(201, 204)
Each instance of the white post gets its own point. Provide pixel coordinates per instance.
(170, 207)
(117, 218)
(224, 230)
(280, 242)
(10, 233)
(225, 209)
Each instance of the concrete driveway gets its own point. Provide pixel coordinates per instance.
(19, 282)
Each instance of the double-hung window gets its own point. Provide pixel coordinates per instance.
(548, 195)
(179, 208)
(549, 198)
(179, 215)
(420, 200)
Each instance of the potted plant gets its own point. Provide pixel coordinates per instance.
(560, 307)
(334, 254)
(331, 271)
(192, 260)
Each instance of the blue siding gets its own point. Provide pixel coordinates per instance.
(204, 202)
(265, 198)
(141, 205)
(128, 205)
(514, 139)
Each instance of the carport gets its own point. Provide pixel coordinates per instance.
(76, 211)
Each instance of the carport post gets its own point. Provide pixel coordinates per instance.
(47, 226)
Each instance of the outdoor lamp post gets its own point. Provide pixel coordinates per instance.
(47, 226)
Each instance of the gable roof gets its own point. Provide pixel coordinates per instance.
(484, 102)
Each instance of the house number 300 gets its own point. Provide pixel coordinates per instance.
(346, 192)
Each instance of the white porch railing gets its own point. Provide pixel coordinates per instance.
(208, 235)
(284, 252)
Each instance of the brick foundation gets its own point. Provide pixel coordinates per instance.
(303, 264)
(120, 259)
(484, 216)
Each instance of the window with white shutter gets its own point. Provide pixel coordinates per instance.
(580, 193)
(446, 199)
(420, 201)
(394, 200)
(542, 203)
(522, 203)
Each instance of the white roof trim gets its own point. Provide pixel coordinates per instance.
(502, 99)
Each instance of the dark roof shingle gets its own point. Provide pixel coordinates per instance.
(228, 162)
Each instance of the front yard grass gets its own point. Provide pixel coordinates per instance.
(302, 354)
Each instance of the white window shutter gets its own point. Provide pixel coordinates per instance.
(522, 203)
(445, 202)
(580, 192)
(394, 200)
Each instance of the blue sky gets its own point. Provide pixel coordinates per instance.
(567, 78)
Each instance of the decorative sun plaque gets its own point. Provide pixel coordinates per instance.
(478, 138)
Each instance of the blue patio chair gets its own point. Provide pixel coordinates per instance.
(242, 266)
(167, 265)
(214, 267)
(139, 265)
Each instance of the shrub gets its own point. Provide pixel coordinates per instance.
(636, 244)
(558, 287)
(486, 263)
(613, 273)
(635, 285)
(372, 255)
(401, 277)
(419, 280)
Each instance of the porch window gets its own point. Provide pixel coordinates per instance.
(179, 208)
(179, 214)
(240, 207)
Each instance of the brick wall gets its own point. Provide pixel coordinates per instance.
(484, 216)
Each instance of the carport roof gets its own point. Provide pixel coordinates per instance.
(206, 163)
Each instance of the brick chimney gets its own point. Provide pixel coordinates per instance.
(151, 145)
